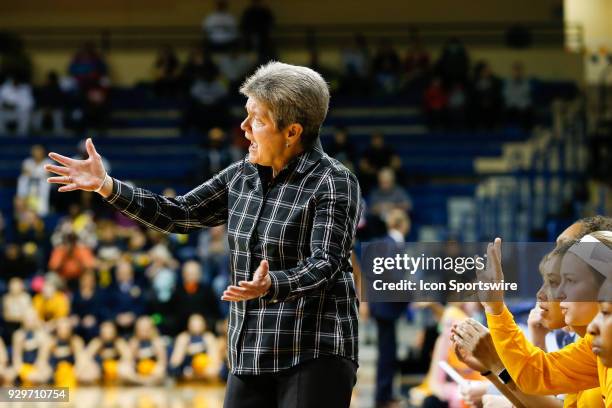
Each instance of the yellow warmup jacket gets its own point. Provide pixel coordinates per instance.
(570, 370)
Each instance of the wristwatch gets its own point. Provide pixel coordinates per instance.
(504, 376)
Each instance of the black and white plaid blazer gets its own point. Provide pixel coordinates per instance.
(303, 222)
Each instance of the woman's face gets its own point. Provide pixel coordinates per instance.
(15, 286)
(267, 142)
(578, 291)
(551, 311)
(144, 329)
(64, 328)
(88, 281)
(31, 320)
(196, 324)
(108, 331)
(601, 327)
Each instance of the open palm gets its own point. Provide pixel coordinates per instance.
(87, 175)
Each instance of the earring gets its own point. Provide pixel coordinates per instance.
(286, 144)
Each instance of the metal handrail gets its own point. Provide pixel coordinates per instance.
(286, 36)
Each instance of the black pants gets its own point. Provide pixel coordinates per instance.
(387, 360)
(323, 382)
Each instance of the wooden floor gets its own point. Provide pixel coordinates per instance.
(175, 396)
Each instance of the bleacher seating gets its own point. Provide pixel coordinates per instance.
(144, 144)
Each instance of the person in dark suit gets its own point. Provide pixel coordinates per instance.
(386, 315)
(194, 297)
(125, 299)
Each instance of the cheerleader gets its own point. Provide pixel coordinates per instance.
(148, 355)
(105, 354)
(196, 352)
(31, 351)
(7, 373)
(67, 355)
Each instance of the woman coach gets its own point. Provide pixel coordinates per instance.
(291, 212)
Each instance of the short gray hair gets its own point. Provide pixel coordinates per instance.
(293, 94)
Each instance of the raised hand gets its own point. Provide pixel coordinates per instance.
(492, 301)
(87, 175)
(250, 289)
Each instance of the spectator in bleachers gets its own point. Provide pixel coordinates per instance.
(234, 66)
(341, 149)
(416, 63)
(166, 72)
(149, 356)
(79, 222)
(388, 195)
(378, 155)
(355, 67)
(107, 353)
(137, 247)
(220, 28)
(108, 250)
(30, 354)
(161, 275)
(87, 67)
(14, 305)
(435, 103)
(52, 103)
(51, 303)
(66, 355)
(16, 105)
(7, 373)
(256, 24)
(14, 262)
(71, 259)
(29, 228)
(194, 297)
(454, 62)
(457, 106)
(196, 352)
(216, 154)
(90, 71)
(32, 183)
(213, 251)
(125, 298)
(96, 112)
(486, 97)
(517, 98)
(386, 67)
(88, 308)
(207, 102)
(198, 64)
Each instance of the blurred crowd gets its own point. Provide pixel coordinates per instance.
(455, 92)
(71, 258)
(83, 278)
